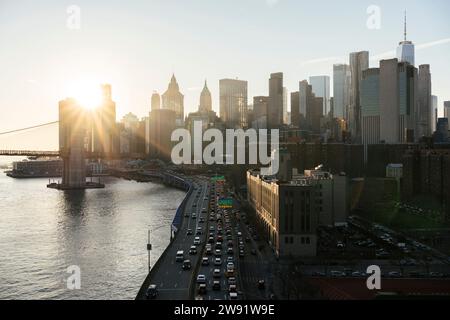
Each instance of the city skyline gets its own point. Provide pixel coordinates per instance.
(133, 87)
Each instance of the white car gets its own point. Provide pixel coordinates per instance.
(197, 241)
(218, 262)
(201, 278)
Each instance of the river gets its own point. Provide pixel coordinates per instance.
(102, 231)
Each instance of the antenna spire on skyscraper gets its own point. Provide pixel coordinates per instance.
(405, 33)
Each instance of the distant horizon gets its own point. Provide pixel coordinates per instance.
(136, 48)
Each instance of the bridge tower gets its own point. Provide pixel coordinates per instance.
(72, 136)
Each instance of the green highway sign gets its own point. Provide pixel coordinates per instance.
(225, 203)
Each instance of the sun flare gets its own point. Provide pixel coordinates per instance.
(86, 91)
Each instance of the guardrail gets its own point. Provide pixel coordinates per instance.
(142, 291)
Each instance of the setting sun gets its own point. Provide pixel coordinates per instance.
(86, 91)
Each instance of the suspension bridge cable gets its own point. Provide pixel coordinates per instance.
(28, 128)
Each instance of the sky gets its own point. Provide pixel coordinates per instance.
(136, 46)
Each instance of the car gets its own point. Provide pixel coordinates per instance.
(194, 216)
(230, 243)
(218, 262)
(230, 265)
(202, 220)
(205, 261)
(201, 278)
(211, 240)
(318, 274)
(436, 275)
(218, 245)
(233, 296)
(394, 274)
(217, 273)
(202, 289)
(186, 215)
(340, 245)
(152, 292)
(232, 288)
(337, 274)
(180, 256)
(230, 259)
(261, 284)
(189, 232)
(187, 265)
(232, 280)
(193, 250)
(230, 251)
(241, 253)
(357, 274)
(216, 285)
(197, 241)
(218, 253)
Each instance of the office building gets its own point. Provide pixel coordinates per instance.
(205, 100)
(447, 110)
(388, 101)
(406, 49)
(341, 90)
(276, 93)
(434, 107)
(103, 131)
(424, 116)
(359, 62)
(321, 89)
(290, 211)
(295, 109)
(441, 134)
(162, 122)
(233, 103)
(173, 100)
(285, 105)
(260, 110)
(156, 101)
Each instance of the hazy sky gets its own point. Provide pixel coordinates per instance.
(136, 45)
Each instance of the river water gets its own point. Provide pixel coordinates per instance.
(103, 232)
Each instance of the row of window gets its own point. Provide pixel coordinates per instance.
(303, 240)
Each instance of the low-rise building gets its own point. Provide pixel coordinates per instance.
(291, 211)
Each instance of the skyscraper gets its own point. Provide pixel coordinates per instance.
(447, 110)
(156, 101)
(205, 100)
(295, 108)
(103, 129)
(321, 88)
(406, 50)
(173, 100)
(388, 103)
(275, 112)
(359, 61)
(434, 104)
(233, 102)
(285, 105)
(341, 90)
(260, 109)
(424, 114)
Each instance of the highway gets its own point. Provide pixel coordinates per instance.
(173, 283)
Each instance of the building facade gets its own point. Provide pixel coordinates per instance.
(233, 103)
(359, 61)
(173, 100)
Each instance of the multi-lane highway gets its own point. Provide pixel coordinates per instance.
(172, 282)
